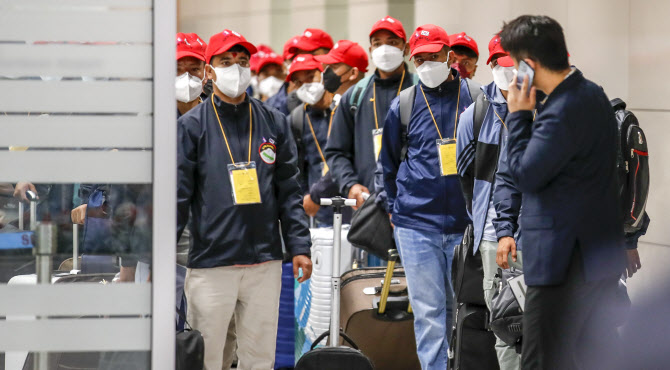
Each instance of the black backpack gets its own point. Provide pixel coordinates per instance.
(632, 167)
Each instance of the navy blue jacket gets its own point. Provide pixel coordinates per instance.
(278, 100)
(311, 169)
(350, 151)
(223, 233)
(506, 198)
(419, 197)
(564, 163)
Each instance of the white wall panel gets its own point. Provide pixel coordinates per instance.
(65, 24)
(79, 131)
(80, 335)
(75, 299)
(76, 166)
(128, 61)
(39, 96)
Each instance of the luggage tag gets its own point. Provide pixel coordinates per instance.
(377, 141)
(446, 151)
(324, 169)
(244, 183)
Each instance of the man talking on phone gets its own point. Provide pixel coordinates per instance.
(564, 163)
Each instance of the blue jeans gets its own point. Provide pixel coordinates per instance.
(427, 258)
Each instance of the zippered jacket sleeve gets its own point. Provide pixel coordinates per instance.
(506, 197)
(340, 148)
(390, 152)
(466, 146)
(188, 131)
(294, 225)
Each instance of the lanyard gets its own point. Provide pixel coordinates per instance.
(458, 100)
(311, 128)
(501, 120)
(224, 133)
(330, 123)
(374, 97)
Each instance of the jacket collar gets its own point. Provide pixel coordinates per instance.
(568, 83)
(392, 81)
(493, 94)
(230, 109)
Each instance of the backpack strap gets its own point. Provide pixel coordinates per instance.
(480, 108)
(297, 123)
(474, 88)
(406, 103)
(356, 97)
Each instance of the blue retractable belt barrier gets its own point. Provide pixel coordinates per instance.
(17, 240)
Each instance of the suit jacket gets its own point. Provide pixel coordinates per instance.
(564, 163)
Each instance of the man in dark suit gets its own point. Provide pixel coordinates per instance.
(564, 163)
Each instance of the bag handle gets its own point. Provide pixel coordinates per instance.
(327, 334)
(386, 288)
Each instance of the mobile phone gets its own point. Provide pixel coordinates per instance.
(523, 71)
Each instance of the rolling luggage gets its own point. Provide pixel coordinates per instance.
(375, 307)
(334, 356)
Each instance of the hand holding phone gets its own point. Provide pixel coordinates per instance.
(523, 71)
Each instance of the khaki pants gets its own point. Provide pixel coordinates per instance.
(251, 295)
(508, 359)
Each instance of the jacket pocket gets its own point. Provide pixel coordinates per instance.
(537, 222)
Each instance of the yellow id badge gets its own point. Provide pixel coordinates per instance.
(324, 169)
(377, 141)
(244, 181)
(446, 150)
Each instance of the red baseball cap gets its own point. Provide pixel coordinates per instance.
(312, 39)
(264, 56)
(496, 49)
(303, 62)
(292, 41)
(265, 59)
(463, 40)
(190, 45)
(428, 38)
(390, 24)
(223, 41)
(347, 52)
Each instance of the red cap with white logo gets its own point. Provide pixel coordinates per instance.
(428, 38)
(303, 62)
(496, 49)
(263, 57)
(390, 24)
(462, 39)
(292, 41)
(347, 52)
(312, 39)
(223, 41)
(190, 45)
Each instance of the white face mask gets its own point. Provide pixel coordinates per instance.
(270, 86)
(387, 58)
(188, 87)
(311, 93)
(432, 74)
(233, 80)
(503, 76)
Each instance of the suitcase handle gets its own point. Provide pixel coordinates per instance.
(386, 288)
(327, 334)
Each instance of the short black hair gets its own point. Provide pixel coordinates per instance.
(536, 37)
(239, 49)
(464, 50)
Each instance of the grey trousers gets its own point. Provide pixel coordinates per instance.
(507, 356)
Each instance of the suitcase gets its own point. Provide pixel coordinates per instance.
(362, 294)
(472, 345)
(285, 352)
(334, 356)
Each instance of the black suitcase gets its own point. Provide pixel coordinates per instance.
(334, 356)
(472, 345)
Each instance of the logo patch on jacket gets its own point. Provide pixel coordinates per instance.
(268, 152)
